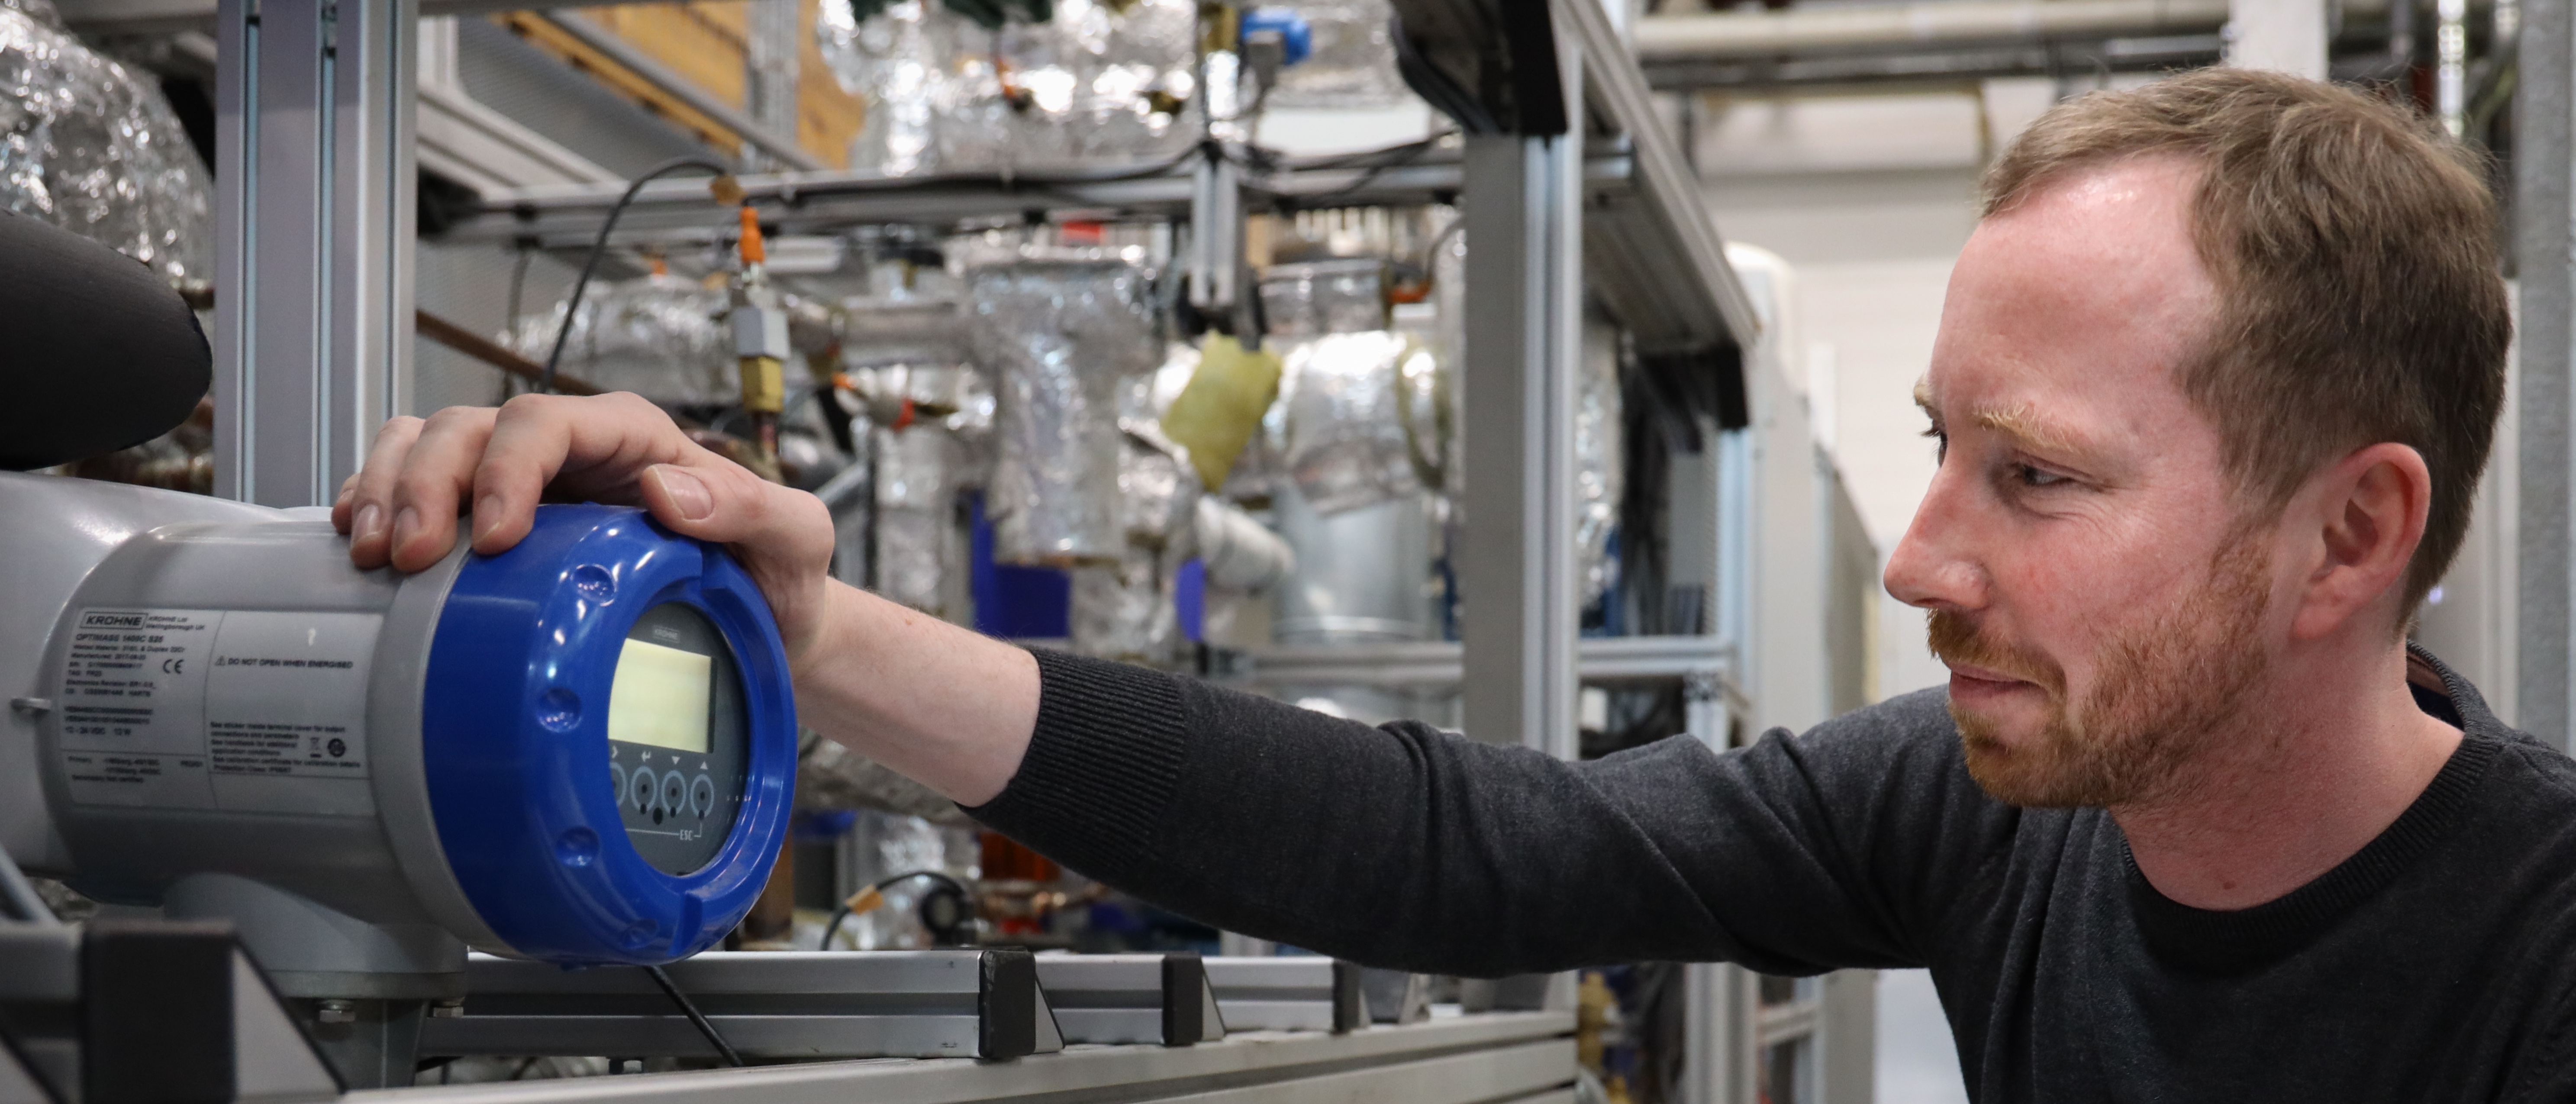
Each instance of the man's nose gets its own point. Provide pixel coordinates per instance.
(1930, 567)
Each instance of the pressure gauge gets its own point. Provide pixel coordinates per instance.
(580, 750)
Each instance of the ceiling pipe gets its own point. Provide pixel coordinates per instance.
(1796, 30)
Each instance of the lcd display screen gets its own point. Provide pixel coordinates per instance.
(660, 697)
(677, 737)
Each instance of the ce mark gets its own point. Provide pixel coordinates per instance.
(173, 665)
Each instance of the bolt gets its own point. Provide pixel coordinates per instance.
(449, 1009)
(335, 1012)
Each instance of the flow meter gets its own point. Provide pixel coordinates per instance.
(580, 750)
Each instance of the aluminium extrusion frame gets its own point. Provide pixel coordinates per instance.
(665, 211)
(1156, 999)
(314, 220)
(1488, 1058)
(976, 1003)
(2544, 207)
(1600, 659)
(1288, 993)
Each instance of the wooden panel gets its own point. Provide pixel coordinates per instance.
(827, 116)
(551, 39)
(704, 43)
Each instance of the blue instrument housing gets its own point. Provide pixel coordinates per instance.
(514, 739)
(1295, 34)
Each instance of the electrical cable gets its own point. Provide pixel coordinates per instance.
(697, 1019)
(1401, 152)
(599, 248)
(1366, 177)
(860, 902)
(518, 290)
(1431, 255)
(19, 897)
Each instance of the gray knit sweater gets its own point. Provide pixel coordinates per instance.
(2439, 963)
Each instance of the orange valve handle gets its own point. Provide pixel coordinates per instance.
(753, 252)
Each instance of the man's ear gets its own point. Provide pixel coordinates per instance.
(2366, 513)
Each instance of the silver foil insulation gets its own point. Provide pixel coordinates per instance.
(1064, 339)
(90, 146)
(1100, 83)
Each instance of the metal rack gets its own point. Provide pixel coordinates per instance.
(1570, 186)
(1497, 1057)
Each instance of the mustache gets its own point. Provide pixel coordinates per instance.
(1956, 639)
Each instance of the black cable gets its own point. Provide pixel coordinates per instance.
(696, 1018)
(1400, 152)
(1373, 163)
(843, 913)
(519, 283)
(510, 323)
(599, 248)
(19, 900)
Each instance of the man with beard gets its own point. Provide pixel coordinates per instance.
(2216, 378)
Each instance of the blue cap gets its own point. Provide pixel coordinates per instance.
(1292, 27)
(514, 739)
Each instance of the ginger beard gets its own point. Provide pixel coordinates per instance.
(2170, 681)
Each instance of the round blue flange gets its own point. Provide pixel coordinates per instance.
(520, 789)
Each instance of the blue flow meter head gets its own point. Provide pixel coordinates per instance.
(1295, 34)
(608, 738)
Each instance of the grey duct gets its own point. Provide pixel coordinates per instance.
(1239, 552)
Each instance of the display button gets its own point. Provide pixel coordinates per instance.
(639, 789)
(675, 793)
(702, 796)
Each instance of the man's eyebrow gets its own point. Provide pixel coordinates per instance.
(2028, 426)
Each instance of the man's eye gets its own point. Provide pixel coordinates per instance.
(1940, 444)
(2032, 476)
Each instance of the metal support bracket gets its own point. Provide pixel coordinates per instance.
(1298, 993)
(1162, 999)
(314, 216)
(773, 1004)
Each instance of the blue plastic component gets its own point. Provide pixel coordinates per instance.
(514, 738)
(1014, 602)
(1189, 599)
(1292, 27)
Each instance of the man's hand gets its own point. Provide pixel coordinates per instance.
(402, 508)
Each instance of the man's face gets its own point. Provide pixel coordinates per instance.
(2092, 586)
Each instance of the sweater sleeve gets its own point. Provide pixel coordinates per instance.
(1407, 847)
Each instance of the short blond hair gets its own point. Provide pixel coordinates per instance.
(2354, 246)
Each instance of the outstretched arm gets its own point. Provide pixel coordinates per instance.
(1398, 845)
(1410, 847)
(945, 706)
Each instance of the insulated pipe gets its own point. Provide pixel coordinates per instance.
(1948, 22)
